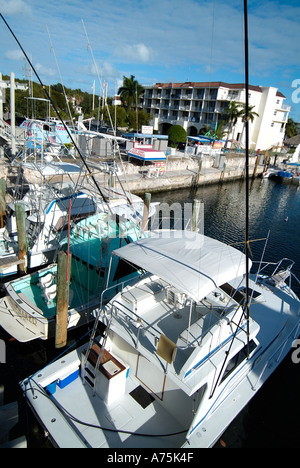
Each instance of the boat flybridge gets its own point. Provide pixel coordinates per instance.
(173, 357)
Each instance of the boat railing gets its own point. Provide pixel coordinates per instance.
(270, 269)
(145, 328)
(118, 308)
(276, 265)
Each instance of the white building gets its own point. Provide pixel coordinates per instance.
(195, 105)
(116, 101)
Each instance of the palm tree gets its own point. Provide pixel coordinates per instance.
(130, 91)
(251, 115)
(231, 115)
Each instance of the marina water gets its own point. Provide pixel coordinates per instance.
(271, 419)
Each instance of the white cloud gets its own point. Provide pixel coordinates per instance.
(13, 7)
(15, 54)
(134, 53)
(46, 71)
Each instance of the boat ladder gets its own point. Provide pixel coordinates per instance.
(91, 358)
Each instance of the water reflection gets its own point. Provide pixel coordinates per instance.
(273, 207)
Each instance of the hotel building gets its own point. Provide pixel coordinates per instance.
(195, 106)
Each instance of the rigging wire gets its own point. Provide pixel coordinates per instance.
(116, 145)
(57, 112)
(61, 81)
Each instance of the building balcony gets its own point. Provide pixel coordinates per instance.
(208, 109)
(283, 108)
(184, 108)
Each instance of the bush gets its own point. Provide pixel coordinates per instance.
(176, 134)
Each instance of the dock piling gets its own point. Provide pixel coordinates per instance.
(2, 201)
(146, 211)
(195, 215)
(21, 230)
(62, 298)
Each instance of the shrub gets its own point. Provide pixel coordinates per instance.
(176, 134)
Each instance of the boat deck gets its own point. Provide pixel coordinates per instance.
(31, 293)
(126, 413)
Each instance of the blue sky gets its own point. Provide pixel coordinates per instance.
(156, 41)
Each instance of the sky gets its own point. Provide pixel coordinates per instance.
(80, 43)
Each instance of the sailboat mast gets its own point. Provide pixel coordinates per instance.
(247, 160)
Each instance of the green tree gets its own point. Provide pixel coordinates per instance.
(251, 112)
(116, 115)
(290, 129)
(251, 115)
(137, 119)
(130, 92)
(231, 115)
(219, 131)
(176, 134)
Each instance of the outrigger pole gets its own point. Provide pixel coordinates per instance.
(246, 311)
(247, 305)
(57, 112)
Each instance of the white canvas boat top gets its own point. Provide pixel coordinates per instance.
(195, 264)
(54, 168)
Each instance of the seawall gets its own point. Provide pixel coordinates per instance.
(181, 172)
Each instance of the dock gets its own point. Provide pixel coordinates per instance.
(6, 262)
(178, 172)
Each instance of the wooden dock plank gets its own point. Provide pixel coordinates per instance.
(6, 262)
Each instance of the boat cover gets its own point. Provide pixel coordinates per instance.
(195, 264)
(147, 154)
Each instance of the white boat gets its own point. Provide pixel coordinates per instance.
(46, 131)
(271, 172)
(29, 308)
(180, 356)
(47, 210)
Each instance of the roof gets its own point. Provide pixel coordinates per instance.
(212, 84)
(193, 263)
(294, 141)
(155, 136)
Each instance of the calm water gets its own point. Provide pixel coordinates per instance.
(274, 209)
(272, 418)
